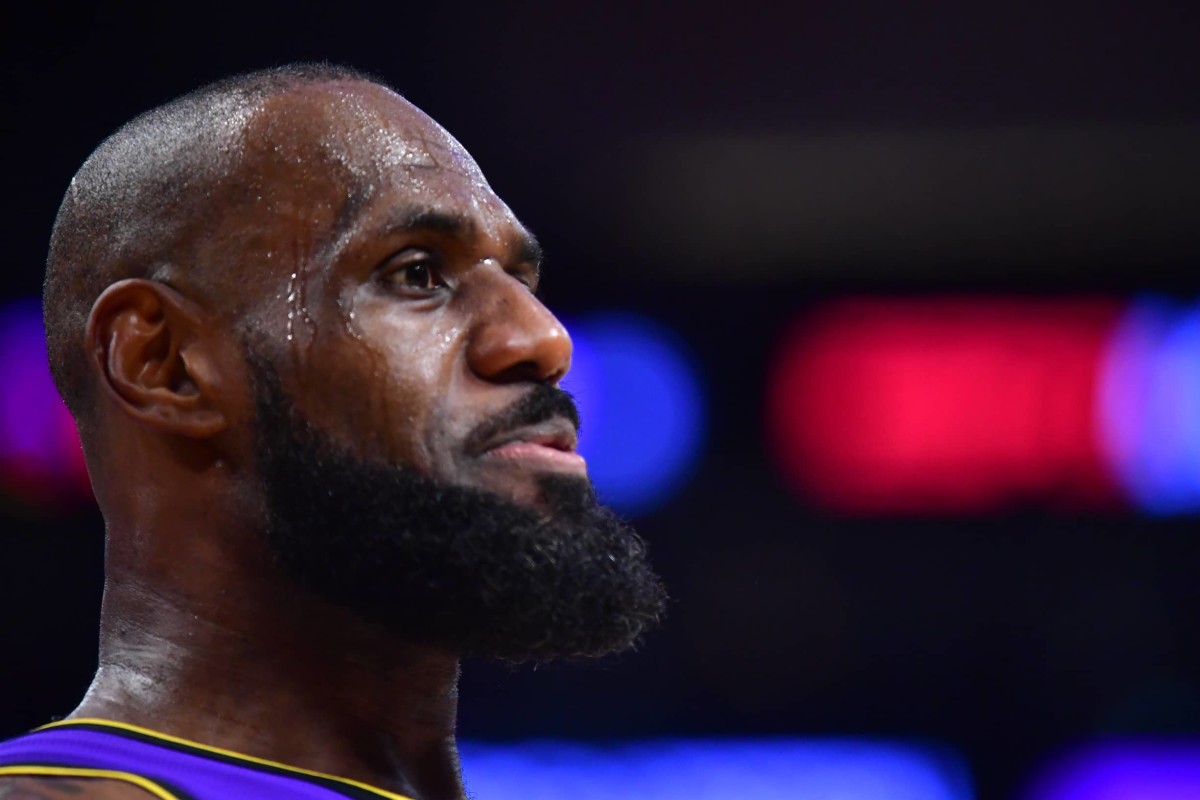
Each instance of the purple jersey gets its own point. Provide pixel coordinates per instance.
(168, 767)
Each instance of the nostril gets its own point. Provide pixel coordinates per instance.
(522, 371)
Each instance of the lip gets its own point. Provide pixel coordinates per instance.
(547, 445)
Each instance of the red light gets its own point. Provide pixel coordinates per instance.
(943, 405)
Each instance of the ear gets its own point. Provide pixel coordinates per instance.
(152, 348)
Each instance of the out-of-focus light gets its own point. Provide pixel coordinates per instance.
(947, 405)
(642, 408)
(1150, 406)
(714, 770)
(1123, 771)
(40, 458)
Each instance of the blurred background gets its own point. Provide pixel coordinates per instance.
(888, 339)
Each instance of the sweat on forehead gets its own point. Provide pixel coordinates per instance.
(154, 197)
(370, 129)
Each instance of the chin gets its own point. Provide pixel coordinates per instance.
(526, 488)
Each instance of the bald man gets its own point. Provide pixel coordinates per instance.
(318, 397)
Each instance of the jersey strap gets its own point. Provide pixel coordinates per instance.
(167, 766)
(43, 771)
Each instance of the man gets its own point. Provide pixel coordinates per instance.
(318, 398)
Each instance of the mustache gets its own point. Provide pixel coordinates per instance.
(542, 403)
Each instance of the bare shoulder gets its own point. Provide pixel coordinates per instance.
(34, 788)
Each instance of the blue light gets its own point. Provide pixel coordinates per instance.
(1149, 411)
(642, 408)
(714, 770)
(1166, 770)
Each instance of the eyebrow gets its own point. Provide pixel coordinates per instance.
(430, 219)
(425, 218)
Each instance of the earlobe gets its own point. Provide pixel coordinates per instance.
(148, 344)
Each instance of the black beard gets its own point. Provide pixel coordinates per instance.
(446, 565)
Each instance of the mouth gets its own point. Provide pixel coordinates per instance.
(547, 446)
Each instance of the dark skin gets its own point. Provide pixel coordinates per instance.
(26, 788)
(412, 319)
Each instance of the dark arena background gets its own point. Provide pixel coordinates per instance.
(887, 320)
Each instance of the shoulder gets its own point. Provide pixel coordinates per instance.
(38, 788)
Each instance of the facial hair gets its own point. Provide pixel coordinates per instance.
(448, 565)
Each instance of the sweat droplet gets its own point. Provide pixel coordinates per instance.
(291, 314)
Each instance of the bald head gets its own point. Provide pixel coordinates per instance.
(152, 200)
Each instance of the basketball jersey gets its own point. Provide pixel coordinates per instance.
(168, 767)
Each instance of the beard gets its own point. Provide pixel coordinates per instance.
(448, 565)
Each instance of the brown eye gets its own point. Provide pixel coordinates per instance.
(416, 276)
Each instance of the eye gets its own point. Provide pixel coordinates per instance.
(415, 272)
(528, 277)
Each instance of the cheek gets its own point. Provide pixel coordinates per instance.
(400, 403)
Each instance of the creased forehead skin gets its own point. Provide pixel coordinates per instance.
(160, 197)
(315, 157)
(369, 129)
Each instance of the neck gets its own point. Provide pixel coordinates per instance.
(273, 673)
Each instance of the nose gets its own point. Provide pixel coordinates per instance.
(516, 338)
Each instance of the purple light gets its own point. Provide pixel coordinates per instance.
(25, 413)
(40, 457)
(1149, 406)
(1135, 770)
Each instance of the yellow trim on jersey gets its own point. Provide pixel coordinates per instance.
(84, 772)
(221, 751)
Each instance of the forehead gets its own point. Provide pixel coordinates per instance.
(369, 126)
(355, 148)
